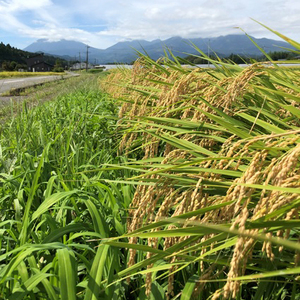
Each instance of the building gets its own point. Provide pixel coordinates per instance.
(81, 66)
(38, 64)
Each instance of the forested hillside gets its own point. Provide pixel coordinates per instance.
(12, 58)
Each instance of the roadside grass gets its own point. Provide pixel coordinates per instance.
(57, 203)
(25, 91)
(11, 102)
(95, 71)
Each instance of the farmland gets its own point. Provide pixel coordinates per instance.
(160, 182)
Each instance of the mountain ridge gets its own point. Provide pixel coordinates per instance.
(124, 52)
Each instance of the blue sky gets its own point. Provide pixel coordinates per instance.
(103, 23)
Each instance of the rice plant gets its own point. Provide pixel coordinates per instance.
(215, 214)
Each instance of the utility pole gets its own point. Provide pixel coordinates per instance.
(208, 52)
(79, 61)
(87, 57)
(75, 62)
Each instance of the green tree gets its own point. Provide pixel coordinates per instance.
(9, 66)
(58, 66)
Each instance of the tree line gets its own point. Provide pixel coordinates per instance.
(14, 59)
(243, 59)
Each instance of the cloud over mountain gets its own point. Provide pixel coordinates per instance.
(104, 23)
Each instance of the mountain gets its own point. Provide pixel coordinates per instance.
(62, 48)
(125, 51)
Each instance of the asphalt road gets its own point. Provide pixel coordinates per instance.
(16, 83)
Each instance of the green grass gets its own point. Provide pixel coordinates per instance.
(11, 102)
(56, 202)
(95, 71)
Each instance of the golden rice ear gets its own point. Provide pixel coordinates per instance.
(238, 110)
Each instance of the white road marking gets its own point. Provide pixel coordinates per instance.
(6, 81)
(11, 81)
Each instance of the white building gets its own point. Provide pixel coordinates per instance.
(81, 66)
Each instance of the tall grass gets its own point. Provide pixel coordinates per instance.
(216, 212)
(56, 201)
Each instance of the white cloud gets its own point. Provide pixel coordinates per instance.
(53, 33)
(19, 5)
(104, 22)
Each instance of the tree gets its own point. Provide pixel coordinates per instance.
(9, 66)
(277, 55)
(58, 66)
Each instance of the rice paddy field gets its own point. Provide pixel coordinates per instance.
(160, 182)
(12, 74)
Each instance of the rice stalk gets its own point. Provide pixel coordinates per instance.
(251, 109)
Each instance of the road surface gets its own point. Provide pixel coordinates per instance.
(16, 83)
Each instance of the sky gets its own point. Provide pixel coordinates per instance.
(102, 23)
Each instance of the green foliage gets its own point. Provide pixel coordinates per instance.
(95, 71)
(13, 59)
(58, 66)
(194, 59)
(58, 69)
(283, 55)
(242, 59)
(56, 201)
(12, 66)
(8, 53)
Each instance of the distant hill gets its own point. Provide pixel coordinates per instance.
(64, 48)
(124, 51)
(13, 58)
(9, 53)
